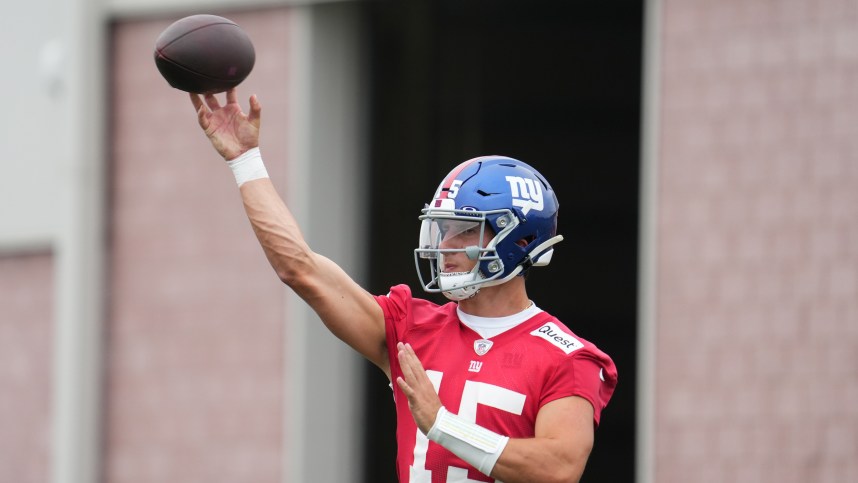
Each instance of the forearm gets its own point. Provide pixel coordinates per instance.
(540, 460)
(348, 311)
(277, 231)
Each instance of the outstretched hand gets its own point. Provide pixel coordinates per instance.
(230, 130)
(423, 401)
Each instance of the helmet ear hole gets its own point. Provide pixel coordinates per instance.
(524, 242)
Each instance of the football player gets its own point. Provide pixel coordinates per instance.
(488, 386)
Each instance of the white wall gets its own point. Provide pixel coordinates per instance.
(35, 102)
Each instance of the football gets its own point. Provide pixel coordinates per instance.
(205, 54)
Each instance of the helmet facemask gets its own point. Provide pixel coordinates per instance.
(444, 227)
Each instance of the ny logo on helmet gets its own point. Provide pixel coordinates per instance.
(526, 194)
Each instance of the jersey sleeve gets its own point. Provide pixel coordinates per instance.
(588, 373)
(395, 303)
(395, 306)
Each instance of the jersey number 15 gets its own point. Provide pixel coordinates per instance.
(474, 394)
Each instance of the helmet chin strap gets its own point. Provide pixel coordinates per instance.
(454, 285)
(458, 286)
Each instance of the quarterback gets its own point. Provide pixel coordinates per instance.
(488, 387)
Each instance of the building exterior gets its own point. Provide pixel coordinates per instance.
(120, 363)
(753, 242)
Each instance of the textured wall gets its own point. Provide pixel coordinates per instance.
(195, 364)
(757, 305)
(26, 343)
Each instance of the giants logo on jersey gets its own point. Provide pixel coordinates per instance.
(526, 194)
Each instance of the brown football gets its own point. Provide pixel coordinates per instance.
(204, 54)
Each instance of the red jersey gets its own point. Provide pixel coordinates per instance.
(499, 383)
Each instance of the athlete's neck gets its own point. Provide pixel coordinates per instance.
(498, 301)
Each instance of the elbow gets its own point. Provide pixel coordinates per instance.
(292, 277)
(557, 473)
(295, 272)
(286, 276)
(572, 472)
(569, 472)
(572, 475)
(563, 477)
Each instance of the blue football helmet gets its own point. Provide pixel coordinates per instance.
(498, 193)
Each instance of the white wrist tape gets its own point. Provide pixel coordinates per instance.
(475, 444)
(248, 166)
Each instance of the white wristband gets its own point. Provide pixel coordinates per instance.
(248, 166)
(475, 444)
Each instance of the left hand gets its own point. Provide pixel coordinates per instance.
(423, 401)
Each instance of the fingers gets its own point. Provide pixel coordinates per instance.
(231, 96)
(409, 362)
(212, 102)
(407, 359)
(422, 397)
(203, 119)
(202, 113)
(405, 362)
(196, 101)
(405, 387)
(414, 377)
(407, 350)
(255, 111)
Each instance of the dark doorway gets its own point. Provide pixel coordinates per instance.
(555, 84)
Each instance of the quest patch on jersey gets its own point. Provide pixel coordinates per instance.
(550, 332)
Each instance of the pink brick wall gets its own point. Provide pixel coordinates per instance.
(757, 305)
(26, 343)
(195, 365)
